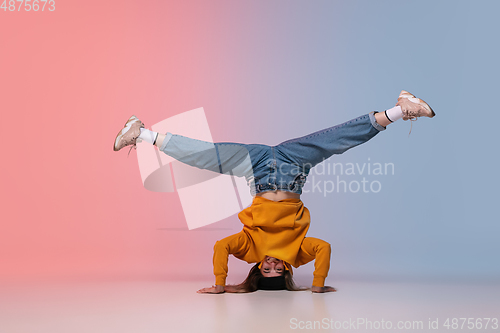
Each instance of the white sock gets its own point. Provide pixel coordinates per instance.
(148, 136)
(394, 114)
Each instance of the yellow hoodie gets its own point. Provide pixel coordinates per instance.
(276, 229)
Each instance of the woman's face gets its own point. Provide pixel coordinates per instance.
(272, 267)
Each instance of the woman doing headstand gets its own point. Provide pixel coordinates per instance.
(276, 224)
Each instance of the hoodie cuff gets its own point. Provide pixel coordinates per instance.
(318, 281)
(220, 280)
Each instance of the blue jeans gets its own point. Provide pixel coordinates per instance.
(269, 168)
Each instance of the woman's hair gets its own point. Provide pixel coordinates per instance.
(251, 283)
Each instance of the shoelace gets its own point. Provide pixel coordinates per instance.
(412, 116)
(412, 120)
(133, 146)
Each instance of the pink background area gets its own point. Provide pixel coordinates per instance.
(70, 79)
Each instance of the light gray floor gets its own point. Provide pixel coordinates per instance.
(174, 306)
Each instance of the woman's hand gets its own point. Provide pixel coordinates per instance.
(213, 290)
(325, 289)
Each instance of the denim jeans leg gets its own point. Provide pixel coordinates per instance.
(309, 150)
(224, 157)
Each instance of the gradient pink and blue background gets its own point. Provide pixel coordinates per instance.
(264, 72)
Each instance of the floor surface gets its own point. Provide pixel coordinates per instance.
(173, 306)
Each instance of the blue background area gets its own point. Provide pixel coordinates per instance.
(303, 66)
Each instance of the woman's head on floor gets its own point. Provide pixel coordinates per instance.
(271, 267)
(269, 274)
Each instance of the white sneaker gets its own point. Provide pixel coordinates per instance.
(129, 134)
(413, 107)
